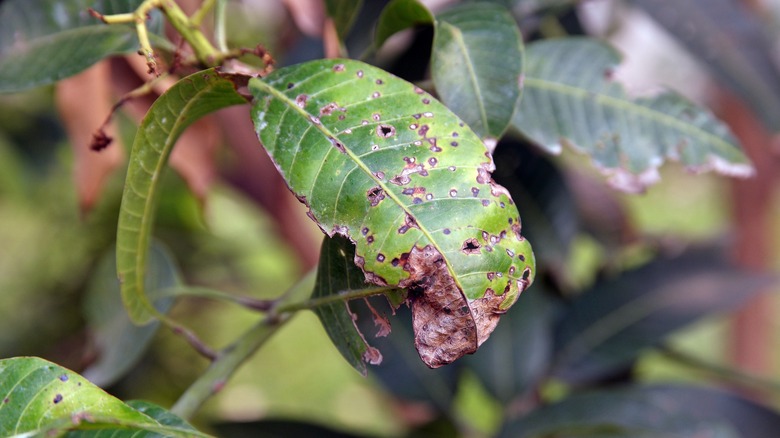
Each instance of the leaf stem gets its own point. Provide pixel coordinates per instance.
(341, 296)
(220, 36)
(199, 15)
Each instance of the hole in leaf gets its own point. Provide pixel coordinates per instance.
(385, 131)
(470, 246)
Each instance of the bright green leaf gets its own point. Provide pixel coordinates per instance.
(399, 15)
(343, 13)
(382, 162)
(476, 65)
(570, 99)
(188, 100)
(38, 397)
(119, 342)
(42, 41)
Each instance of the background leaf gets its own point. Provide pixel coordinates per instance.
(343, 13)
(605, 328)
(42, 41)
(399, 15)
(119, 342)
(476, 65)
(569, 99)
(649, 411)
(381, 161)
(732, 40)
(188, 100)
(39, 397)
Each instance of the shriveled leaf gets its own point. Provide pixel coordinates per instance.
(476, 64)
(606, 327)
(649, 411)
(569, 99)
(191, 98)
(118, 341)
(733, 41)
(399, 15)
(337, 273)
(343, 13)
(42, 41)
(39, 398)
(382, 162)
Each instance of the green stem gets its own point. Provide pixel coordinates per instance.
(220, 35)
(199, 15)
(229, 359)
(204, 51)
(343, 296)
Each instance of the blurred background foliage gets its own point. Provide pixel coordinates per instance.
(631, 288)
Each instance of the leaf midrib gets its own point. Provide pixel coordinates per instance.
(356, 159)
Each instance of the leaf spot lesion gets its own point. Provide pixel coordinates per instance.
(471, 246)
(384, 131)
(375, 195)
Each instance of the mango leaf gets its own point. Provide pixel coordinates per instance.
(399, 15)
(380, 161)
(42, 41)
(343, 13)
(476, 65)
(338, 273)
(569, 99)
(733, 41)
(605, 328)
(118, 341)
(188, 100)
(40, 398)
(649, 411)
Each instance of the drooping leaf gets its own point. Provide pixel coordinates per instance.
(119, 342)
(733, 41)
(188, 100)
(343, 13)
(382, 162)
(569, 99)
(606, 327)
(337, 273)
(399, 15)
(39, 398)
(649, 411)
(476, 65)
(42, 41)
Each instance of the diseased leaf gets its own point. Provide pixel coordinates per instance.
(606, 327)
(733, 41)
(39, 398)
(476, 64)
(337, 273)
(399, 15)
(42, 41)
(570, 99)
(343, 13)
(191, 98)
(382, 162)
(118, 341)
(649, 411)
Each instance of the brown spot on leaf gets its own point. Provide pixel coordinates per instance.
(385, 131)
(375, 195)
(360, 74)
(338, 68)
(475, 191)
(328, 109)
(301, 100)
(338, 145)
(483, 176)
(423, 130)
(400, 180)
(433, 161)
(57, 398)
(470, 246)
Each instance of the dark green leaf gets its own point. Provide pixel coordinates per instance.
(476, 65)
(119, 342)
(188, 100)
(338, 273)
(39, 398)
(649, 411)
(159, 414)
(343, 13)
(733, 42)
(399, 15)
(606, 327)
(42, 41)
(570, 99)
(382, 162)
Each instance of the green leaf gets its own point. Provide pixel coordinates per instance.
(570, 99)
(188, 100)
(343, 13)
(399, 15)
(606, 328)
(338, 273)
(43, 41)
(119, 342)
(649, 411)
(476, 65)
(40, 398)
(382, 162)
